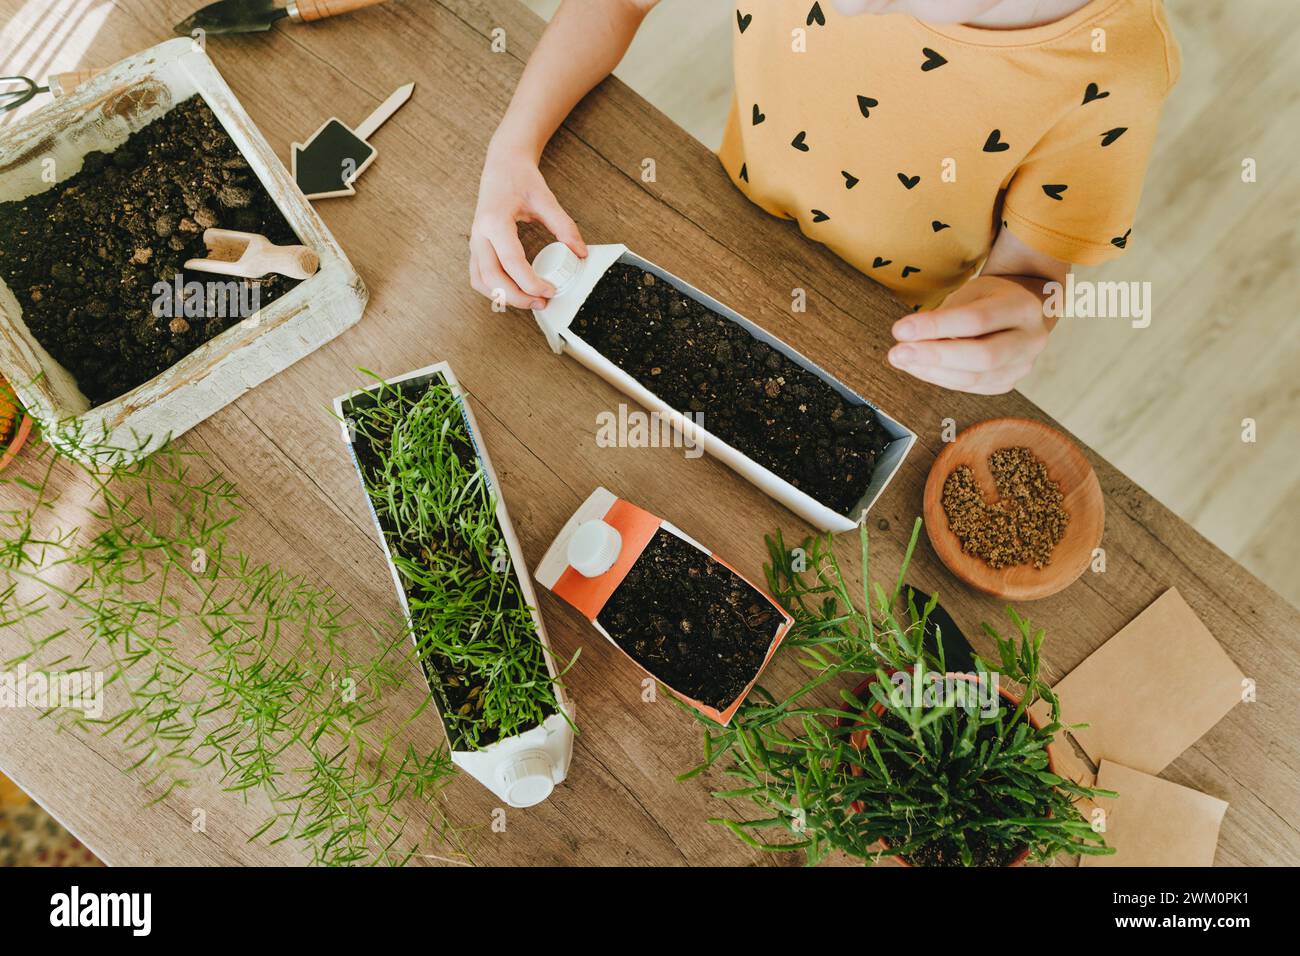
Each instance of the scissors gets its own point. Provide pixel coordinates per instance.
(17, 90)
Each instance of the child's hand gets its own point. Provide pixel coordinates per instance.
(512, 191)
(984, 339)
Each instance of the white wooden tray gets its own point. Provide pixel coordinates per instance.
(100, 115)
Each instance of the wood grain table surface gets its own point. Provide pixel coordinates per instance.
(406, 232)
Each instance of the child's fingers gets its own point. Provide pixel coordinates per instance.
(955, 322)
(495, 282)
(946, 377)
(560, 223)
(475, 279)
(977, 383)
(510, 253)
(985, 354)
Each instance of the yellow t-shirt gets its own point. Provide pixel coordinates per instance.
(904, 146)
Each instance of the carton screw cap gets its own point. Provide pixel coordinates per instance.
(557, 265)
(527, 778)
(594, 548)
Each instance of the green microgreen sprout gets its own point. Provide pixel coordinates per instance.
(113, 560)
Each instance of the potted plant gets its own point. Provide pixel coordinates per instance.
(462, 581)
(929, 767)
(745, 396)
(15, 425)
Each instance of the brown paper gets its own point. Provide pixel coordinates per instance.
(1152, 690)
(1154, 822)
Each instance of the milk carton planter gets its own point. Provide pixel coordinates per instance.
(745, 396)
(98, 118)
(462, 581)
(680, 612)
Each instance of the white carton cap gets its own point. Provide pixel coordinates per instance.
(527, 778)
(594, 548)
(558, 265)
(573, 279)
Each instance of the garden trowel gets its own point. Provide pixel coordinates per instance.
(250, 16)
(957, 651)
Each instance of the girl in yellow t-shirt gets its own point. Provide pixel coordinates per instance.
(962, 153)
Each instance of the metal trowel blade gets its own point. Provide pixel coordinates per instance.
(232, 16)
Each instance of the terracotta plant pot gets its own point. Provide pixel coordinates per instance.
(858, 739)
(16, 443)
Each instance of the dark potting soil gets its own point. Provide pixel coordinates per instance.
(946, 852)
(83, 257)
(691, 621)
(456, 689)
(751, 396)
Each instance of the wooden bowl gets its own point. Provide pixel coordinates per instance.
(1065, 465)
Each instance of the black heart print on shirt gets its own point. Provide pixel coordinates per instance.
(994, 143)
(1054, 190)
(908, 270)
(938, 226)
(798, 142)
(866, 104)
(932, 60)
(1094, 92)
(819, 216)
(758, 115)
(744, 171)
(880, 262)
(743, 22)
(816, 16)
(1111, 135)
(1121, 241)
(849, 179)
(908, 181)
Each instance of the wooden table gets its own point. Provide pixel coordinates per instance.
(406, 232)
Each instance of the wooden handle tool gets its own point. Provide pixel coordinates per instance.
(306, 11)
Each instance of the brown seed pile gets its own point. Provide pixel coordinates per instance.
(1022, 526)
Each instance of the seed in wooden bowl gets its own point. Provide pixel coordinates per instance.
(1022, 526)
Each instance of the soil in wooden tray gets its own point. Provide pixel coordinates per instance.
(469, 606)
(751, 396)
(691, 621)
(83, 257)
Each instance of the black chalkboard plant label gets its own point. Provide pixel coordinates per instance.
(335, 156)
(683, 615)
(462, 581)
(723, 382)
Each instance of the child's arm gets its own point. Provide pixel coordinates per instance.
(581, 46)
(985, 337)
